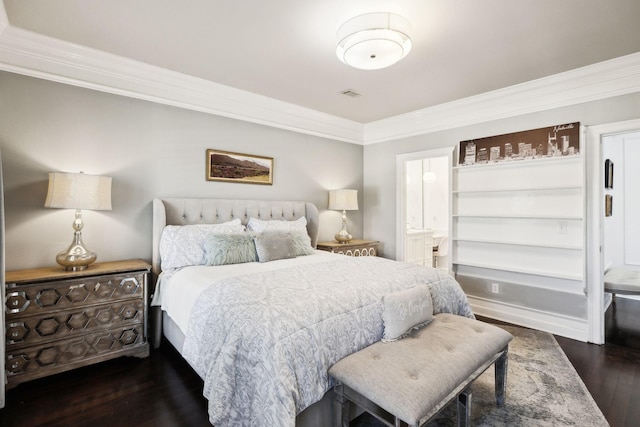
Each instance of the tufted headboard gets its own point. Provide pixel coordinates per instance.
(185, 211)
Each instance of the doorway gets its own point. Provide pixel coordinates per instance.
(597, 246)
(424, 207)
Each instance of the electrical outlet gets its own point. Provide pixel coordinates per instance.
(495, 288)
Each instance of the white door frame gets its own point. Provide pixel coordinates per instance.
(401, 184)
(595, 214)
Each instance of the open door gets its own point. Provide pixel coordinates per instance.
(597, 242)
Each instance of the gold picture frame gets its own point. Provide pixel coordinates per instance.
(228, 166)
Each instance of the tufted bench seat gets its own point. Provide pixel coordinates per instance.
(407, 382)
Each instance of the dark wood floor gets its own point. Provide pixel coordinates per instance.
(163, 391)
(611, 372)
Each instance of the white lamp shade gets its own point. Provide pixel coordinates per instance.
(374, 40)
(78, 191)
(346, 200)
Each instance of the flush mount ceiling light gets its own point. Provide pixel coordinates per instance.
(374, 40)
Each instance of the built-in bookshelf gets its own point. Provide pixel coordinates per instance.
(524, 218)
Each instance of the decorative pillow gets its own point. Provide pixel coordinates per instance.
(301, 242)
(274, 246)
(183, 245)
(235, 248)
(260, 225)
(406, 310)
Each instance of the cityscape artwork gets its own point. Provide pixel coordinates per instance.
(553, 141)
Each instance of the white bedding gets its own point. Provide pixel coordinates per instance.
(178, 290)
(263, 336)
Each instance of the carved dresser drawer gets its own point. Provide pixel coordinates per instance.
(58, 320)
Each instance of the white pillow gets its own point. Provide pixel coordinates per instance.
(260, 225)
(183, 245)
(406, 310)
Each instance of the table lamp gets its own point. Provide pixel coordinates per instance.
(78, 191)
(343, 200)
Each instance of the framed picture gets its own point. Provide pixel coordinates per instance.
(237, 167)
(608, 174)
(543, 143)
(608, 205)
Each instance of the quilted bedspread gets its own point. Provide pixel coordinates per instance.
(263, 342)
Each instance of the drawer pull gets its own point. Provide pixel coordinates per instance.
(17, 302)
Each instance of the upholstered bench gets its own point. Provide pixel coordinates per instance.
(408, 381)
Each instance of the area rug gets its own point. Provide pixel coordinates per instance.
(543, 389)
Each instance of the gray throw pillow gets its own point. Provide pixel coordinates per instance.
(301, 242)
(224, 249)
(406, 310)
(274, 246)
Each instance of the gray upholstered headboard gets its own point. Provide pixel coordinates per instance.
(184, 211)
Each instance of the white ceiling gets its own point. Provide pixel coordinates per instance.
(285, 49)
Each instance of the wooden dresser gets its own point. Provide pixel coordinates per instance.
(58, 320)
(353, 248)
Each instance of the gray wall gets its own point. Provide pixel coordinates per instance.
(380, 159)
(150, 150)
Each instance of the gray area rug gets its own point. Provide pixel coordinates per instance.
(543, 389)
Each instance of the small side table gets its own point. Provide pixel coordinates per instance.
(353, 248)
(59, 320)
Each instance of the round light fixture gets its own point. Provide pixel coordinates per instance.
(374, 40)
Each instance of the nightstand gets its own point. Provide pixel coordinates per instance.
(353, 248)
(58, 320)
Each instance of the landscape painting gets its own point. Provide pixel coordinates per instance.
(237, 167)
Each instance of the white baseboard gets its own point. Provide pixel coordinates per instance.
(569, 327)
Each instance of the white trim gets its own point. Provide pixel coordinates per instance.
(36, 55)
(596, 303)
(566, 326)
(619, 76)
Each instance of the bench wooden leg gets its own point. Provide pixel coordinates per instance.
(341, 408)
(464, 408)
(501, 377)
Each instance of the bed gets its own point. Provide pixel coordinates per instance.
(263, 333)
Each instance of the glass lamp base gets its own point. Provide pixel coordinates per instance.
(76, 257)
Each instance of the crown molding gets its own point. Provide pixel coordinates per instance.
(32, 54)
(35, 55)
(616, 77)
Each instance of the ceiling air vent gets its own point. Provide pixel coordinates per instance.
(350, 93)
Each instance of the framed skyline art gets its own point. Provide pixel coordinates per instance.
(553, 141)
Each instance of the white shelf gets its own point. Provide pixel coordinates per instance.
(521, 220)
(521, 270)
(505, 190)
(513, 243)
(522, 216)
(520, 162)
